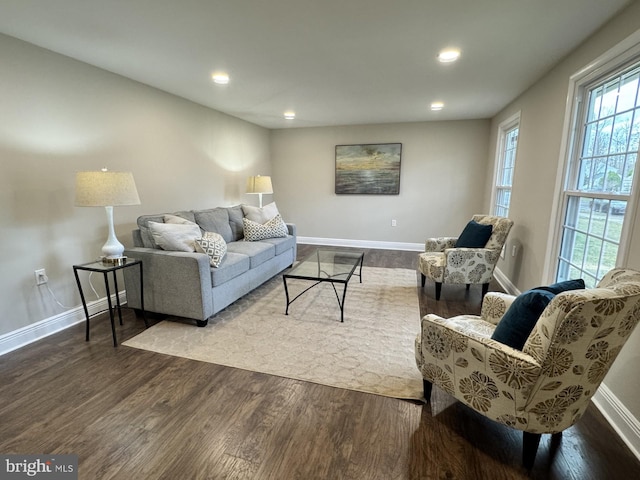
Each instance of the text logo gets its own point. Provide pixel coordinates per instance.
(50, 467)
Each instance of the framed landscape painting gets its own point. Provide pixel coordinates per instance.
(369, 169)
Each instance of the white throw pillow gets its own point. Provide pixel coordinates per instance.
(175, 236)
(175, 219)
(213, 245)
(260, 215)
(274, 228)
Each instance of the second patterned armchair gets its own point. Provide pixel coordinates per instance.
(444, 262)
(545, 386)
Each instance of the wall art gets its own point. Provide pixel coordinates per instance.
(368, 169)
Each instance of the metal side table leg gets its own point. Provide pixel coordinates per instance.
(111, 315)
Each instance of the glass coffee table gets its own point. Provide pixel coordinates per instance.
(326, 265)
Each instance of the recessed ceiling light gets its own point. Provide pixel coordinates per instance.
(220, 78)
(289, 115)
(436, 106)
(449, 55)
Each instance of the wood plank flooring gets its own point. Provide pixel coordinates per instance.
(131, 414)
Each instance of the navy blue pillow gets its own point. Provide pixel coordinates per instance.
(516, 325)
(565, 286)
(474, 235)
(518, 322)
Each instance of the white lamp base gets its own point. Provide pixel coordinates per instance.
(112, 247)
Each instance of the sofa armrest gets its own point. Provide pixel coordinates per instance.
(470, 265)
(439, 244)
(293, 231)
(495, 305)
(175, 283)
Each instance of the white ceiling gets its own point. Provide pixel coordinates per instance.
(334, 62)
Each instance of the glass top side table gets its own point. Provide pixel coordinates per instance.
(105, 269)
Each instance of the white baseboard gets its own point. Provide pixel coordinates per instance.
(619, 417)
(505, 283)
(338, 242)
(36, 331)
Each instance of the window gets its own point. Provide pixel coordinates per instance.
(505, 162)
(600, 176)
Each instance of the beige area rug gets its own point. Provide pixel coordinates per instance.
(372, 351)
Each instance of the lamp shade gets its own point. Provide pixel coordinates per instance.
(105, 188)
(259, 184)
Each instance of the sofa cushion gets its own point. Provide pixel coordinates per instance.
(258, 252)
(282, 244)
(274, 228)
(143, 226)
(175, 236)
(215, 220)
(232, 265)
(260, 214)
(213, 245)
(474, 235)
(235, 222)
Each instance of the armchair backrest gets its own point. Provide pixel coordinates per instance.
(576, 340)
(501, 227)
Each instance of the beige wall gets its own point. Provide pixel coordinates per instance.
(59, 116)
(443, 164)
(541, 129)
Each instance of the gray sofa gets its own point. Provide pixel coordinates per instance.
(184, 284)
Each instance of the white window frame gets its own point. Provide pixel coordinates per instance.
(614, 59)
(505, 126)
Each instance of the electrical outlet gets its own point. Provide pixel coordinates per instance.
(394, 223)
(41, 276)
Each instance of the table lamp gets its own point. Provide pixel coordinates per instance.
(107, 189)
(259, 185)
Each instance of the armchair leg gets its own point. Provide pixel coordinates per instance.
(423, 278)
(427, 386)
(438, 290)
(485, 289)
(530, 442)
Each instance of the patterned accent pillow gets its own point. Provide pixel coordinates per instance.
(213, 245)
(274, 228)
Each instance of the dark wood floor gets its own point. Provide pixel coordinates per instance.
(131, 414)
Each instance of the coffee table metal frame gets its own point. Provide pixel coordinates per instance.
(326, 265)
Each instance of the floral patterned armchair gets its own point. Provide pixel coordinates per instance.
(546, 387)
(443, 263)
